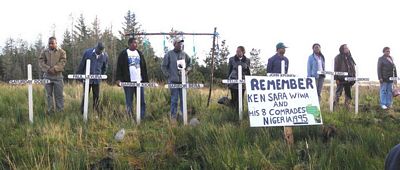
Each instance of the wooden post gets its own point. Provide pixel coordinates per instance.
(356, 79)
(29, 81)
(332, 84)
(288, 131)
(138, 104)
(240, 93)
(86, 97)
(138, 94)
(184, 87)
(30, 97)
(212, 66)
(185, 118)
(239, 81)
(87, 76)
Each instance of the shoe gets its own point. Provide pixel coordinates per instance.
(384, 107)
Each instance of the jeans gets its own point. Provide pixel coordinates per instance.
(386, 97)
(96, 93)
(175, 94)
(55, 89)
(347, 91)
(320, 83)
(129, 92)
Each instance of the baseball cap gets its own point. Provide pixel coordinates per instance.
(178, 40)
(100, 46)
(280, 45)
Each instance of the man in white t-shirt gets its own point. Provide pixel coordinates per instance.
(131, 67)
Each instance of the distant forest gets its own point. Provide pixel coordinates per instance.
(17, 53)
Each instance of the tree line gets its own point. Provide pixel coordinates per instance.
(17, 53)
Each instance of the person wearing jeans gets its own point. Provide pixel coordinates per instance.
(176, 93)
(129, 91)
(131, 67)
(316, 62)
(170, 70)
(386, 69)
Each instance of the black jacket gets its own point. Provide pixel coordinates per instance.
(234, 62)
(344, 64)
(386, 69)
(123, 74)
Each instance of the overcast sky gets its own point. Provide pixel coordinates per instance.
(366, 26)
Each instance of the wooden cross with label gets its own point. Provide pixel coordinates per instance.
(87, 76)
(29, 81)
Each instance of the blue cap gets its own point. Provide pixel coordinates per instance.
(280, 45)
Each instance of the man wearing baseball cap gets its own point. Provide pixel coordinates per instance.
(170, 70)
(274, 63)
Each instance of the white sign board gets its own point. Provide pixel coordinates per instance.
(282, 101)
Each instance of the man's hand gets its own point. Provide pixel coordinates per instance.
(51, 71)
(381, 81)
(118, 83)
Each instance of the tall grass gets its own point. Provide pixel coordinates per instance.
(64, 141)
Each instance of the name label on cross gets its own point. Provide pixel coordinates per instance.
(394, 78)
(82, 76)
(35, 81)
(186, 86)
(133, 84)
(355, 79)
(232, 81)
(333, 73)
(280, 75)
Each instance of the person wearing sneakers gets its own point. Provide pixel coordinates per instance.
(386, 69)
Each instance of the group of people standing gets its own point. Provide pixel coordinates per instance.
(343, 62)
(131, 67)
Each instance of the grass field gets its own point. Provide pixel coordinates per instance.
(64, 141)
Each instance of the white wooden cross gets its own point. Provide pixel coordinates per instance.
(87, 76)
(138, 94)
(240, 82)
(356, 79)
(331, 90)
(181, 66)
(30, 82)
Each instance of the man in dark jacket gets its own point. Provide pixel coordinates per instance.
(344, 62)
(386, 69)
(234, 62)
(131, 67)
(392, 161)
(274, 63)
(98, 66)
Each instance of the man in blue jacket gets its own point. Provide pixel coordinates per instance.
(98, 65)
(274, 63)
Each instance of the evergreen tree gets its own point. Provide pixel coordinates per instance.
(82, 31)
(96, 31)
(67, 46)
(256, 66)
